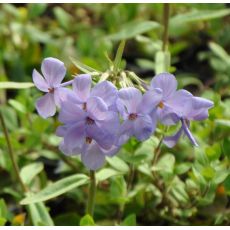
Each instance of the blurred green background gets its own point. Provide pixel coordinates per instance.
(193, 185)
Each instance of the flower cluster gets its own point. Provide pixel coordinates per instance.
(97, 121)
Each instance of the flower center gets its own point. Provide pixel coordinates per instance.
(89, 121)
(161, 105)
(51, 90)
(132, 116)
(84, 106)
(88, 140)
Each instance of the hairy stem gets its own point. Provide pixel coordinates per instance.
(92, 192)
(166, 26)
(12, 155)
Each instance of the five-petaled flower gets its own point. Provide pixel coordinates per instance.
(135, 110)
(54, 72)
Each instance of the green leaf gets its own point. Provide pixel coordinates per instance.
(106, 173)
(182, 168)
(3, 209)
(165, 165)
(213, 152)
(223, 122)
(118, 190)
(17, 105)
(63, 18)
(36, 9)
(30, 171)
(219, 51)
(87, 220)
(226, 147)
(198, 16)
(15, 85)
(118, 164)
(56, 189)
(134, 28)
(39, 214)
(84, 68)
(227, 185)
(118, 58)
(162, 62)
(2, 221)
(130, 220)
(208, 172)
(185, 80)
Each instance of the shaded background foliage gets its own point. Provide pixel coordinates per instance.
(187, 185)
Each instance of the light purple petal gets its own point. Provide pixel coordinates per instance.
(104, 138)
(112, 151)
(61, 130)
(122, 109)
(131, 98)
(45, 105)
(61, 95)
(149, 101)
(188, 133)
(53, 71)
(143, 127)
(93, 158)
(180, 103)
(167, 116)
(39, 81)
(171, 141)
(200, 108)
(105, 90)
(96, 108)
(66, 151)
(111, 123)
(75, 137)
(82, 86)
(125, 132)
(166, 82)
(71, 113)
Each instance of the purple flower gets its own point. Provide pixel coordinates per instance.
(194, 108)
(95, 121)
(92, 154)
(53, 71)
(82, 91)
(168, 84)
(135, 109)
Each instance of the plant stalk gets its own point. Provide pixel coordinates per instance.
(92, 192)
(12, 155)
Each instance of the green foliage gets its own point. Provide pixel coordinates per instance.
(62, 186)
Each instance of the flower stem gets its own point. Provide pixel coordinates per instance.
(166, 25)
(12, 155)
(92, 192)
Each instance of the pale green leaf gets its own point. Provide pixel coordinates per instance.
(29, 172)
(106, 173)
(118, 164)
(39, 214)
(133, 29)
(56, 189)
(15, 85)
(200, 15)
